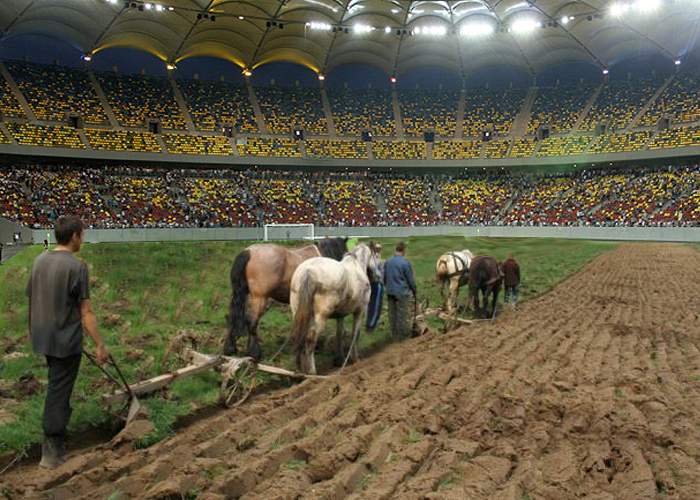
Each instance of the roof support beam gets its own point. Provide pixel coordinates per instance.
(17, 18)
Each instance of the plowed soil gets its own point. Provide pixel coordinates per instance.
(590, 391)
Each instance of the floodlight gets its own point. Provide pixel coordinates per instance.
(361, 28)
(617, 9)
(476, 29)
(318, 26)
(525, 26)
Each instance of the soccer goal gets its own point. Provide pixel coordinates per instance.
(277, 232)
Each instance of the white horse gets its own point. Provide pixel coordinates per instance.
(452, 268)
(323, 288)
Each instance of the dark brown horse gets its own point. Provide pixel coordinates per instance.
(485, 277)
(263, 272)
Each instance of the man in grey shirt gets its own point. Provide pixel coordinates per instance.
(59, 313)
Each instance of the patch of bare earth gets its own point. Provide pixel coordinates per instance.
(590, 391)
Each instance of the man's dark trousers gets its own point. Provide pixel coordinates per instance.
(57, 410)
(398, 316)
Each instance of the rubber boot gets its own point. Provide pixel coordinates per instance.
(52, 453)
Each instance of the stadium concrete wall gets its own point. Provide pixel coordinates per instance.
(9, 228)
(670, 234)
(235, 160)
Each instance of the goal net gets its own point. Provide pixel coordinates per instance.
(277, 232)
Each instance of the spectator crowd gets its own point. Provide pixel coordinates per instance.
(128, 196)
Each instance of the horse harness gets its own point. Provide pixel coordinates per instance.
(458, 272)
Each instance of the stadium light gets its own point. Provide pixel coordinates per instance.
(148, 6)
(618, 9)
(677, 62)
(475, 29)
(241, 18)
(524, 26)
(170, 66)
(387, 29)
(565, 19)
(361, 28)
(247, 72)
(432, 30)
(87, 57)
(606, 71)
(321, 76)
(392, 79)
(317, 26)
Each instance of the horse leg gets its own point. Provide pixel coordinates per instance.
(310, 345)
(339, 335)
(495, 291)
(257, 306)
(454, 291)
(356, 327)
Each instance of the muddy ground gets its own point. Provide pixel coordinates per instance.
(590, 391)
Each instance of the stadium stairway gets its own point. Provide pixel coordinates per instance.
(180, 99)
(370, 151)
(633, 123)
(327, 111)
(26, 108)
(519, 127)
(397, 114)
(83, 138)
(111, 117)
(587, 107)
(6, 133)
(429, 150)
(459, 130)
(259, 118)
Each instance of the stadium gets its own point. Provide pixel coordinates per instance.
(243, 171)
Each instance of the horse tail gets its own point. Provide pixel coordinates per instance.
(440, 270)
(238, 324)
(304, 311)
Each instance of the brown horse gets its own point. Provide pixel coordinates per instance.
(485, 276)
(262, 272)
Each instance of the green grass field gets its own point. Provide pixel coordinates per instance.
(145, 293)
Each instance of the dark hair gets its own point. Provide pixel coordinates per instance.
(66, 226)
(401, 247)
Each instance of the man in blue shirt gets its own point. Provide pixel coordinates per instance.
(400, 287)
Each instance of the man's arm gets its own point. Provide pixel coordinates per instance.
(410, 278)
(89, 321)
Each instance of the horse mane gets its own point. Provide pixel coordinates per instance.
(333, 248)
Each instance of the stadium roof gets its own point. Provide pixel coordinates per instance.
(395, 35)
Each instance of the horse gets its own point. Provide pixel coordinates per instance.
(452, 268)
(323, 288)
(262, 272)
(485, 276)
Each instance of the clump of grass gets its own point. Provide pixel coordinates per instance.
(295, 464)
(413, 436)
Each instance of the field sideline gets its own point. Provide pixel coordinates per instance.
(145, 293)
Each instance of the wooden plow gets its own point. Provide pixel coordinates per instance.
(238, 377)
